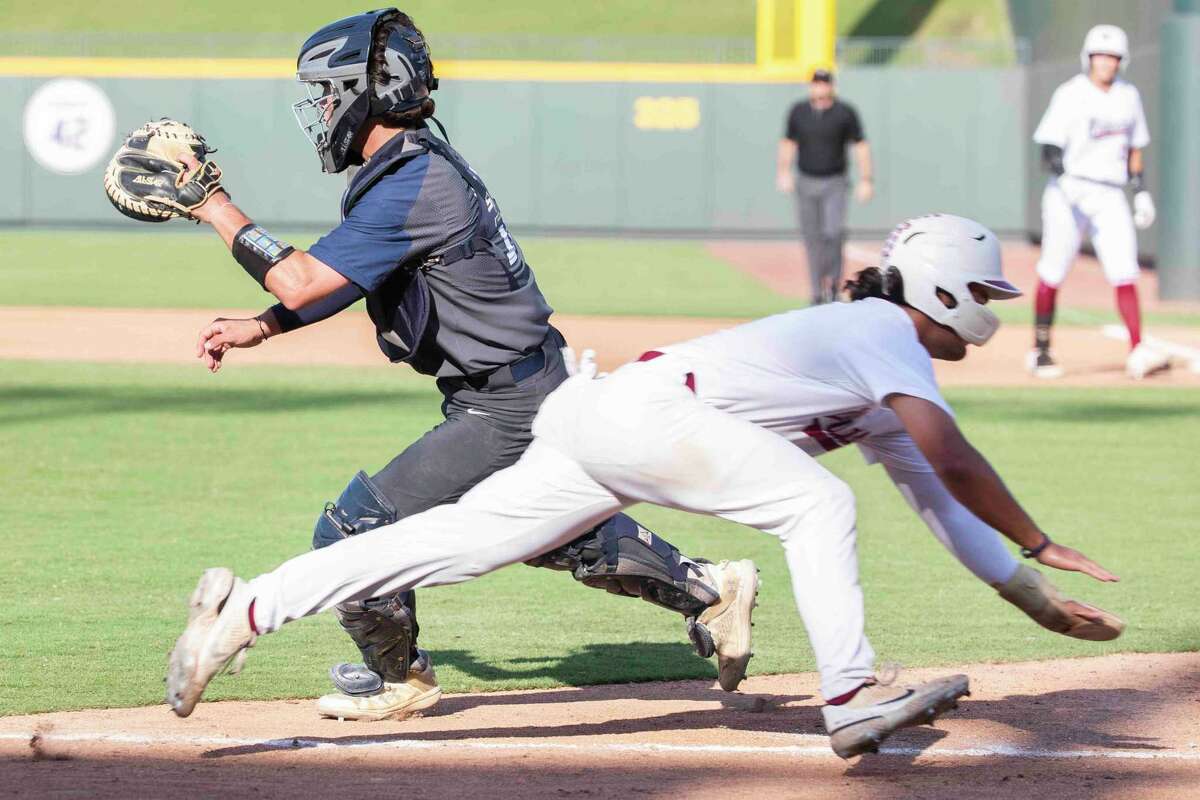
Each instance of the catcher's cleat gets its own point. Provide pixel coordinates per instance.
(419, 691)
(218, 632)
(1145, 360)
(1041, 364)
(728, 620)
(877, 711)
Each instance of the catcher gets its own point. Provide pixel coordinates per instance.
(450, 293)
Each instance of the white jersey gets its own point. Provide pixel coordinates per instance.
(1095, 128)
(818, 377)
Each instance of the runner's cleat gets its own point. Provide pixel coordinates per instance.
(1040, 364)
(1145, 360)
(877, 711)
(217, 635)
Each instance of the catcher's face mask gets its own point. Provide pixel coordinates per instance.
(333, 65)
(315, 112)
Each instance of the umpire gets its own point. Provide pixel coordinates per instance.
(450, 293)
(815, 138)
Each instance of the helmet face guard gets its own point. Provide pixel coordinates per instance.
(334, 64)
(943, 254)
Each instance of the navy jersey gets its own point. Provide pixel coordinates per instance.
(416, 211)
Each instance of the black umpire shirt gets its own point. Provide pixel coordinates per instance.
(821, 136)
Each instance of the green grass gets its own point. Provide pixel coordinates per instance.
(123, 482)
(579, 276)
(653, 277)
(702, 30)
(696, 17)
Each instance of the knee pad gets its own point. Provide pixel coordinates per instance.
(361, 508)
(624, 558)
(384, 629)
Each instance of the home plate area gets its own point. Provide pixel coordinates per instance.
(1112, 726)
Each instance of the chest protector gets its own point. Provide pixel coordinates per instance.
(403, 308)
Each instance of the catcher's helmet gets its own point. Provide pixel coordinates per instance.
(334, 64)
(942, 251)
(1104, 40)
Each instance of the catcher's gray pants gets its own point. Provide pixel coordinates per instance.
(484, 431)
(599, 446)
(821, 205)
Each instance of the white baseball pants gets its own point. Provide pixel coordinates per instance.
(1071, 208)
(638, 435)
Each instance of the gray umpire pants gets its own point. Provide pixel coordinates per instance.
(821, 206)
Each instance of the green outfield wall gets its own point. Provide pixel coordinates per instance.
(602, 156)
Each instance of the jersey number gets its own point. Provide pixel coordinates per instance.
(834, 432)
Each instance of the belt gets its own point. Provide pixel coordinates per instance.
(508, 375)
(527, 366)
(689, 380)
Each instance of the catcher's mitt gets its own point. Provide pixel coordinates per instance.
(148, 180)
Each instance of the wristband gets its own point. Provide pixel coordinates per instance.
(1137, 181)
(286, 319)
(257, 251)
(1034, 552)
(1052, 155)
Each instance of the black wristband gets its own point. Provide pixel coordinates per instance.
(257, 251)
(1034, 552)
(1137, 181)
(1052, 155)
(287, 319)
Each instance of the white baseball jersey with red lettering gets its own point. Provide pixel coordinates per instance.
(785, 374)
(1095, 128)
(819, 377)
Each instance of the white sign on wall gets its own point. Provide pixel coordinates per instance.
(69, 125)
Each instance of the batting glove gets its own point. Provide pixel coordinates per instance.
(1143, 210)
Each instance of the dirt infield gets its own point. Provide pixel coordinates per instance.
(168, 336)
(1111, 727)
(783, 267)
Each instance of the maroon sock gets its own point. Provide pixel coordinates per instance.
(250, 614)
(1127, 305)
(1043, 309)
(842, 699)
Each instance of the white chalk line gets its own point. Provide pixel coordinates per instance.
(796, 751)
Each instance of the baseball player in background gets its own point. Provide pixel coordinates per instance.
(1092, 137)
(726, 425)
(450, 293)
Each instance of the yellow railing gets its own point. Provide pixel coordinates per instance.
(798, 35)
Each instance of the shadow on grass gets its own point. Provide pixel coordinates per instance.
(634, 661)
(893, 18)
(23, 404)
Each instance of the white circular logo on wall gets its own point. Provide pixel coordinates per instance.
(68, 125)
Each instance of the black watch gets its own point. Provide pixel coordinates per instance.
(1034, 552)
